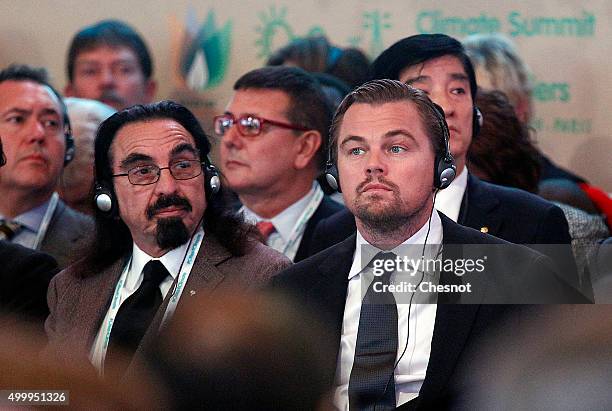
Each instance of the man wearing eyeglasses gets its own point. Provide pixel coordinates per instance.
(273, 137)
(163, 235)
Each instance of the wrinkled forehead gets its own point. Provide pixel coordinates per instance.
(159, 139)
(26, 94)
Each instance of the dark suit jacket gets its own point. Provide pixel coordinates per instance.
(24, 277)
(79, 304)
(325, 209)
(68, 235)
(508, 213)
(321, 282)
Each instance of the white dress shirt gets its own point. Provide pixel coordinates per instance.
(448, 201)
(172, 260)
(286, 222)
(410, 371)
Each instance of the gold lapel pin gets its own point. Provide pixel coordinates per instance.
(192, 293)
(484, 229)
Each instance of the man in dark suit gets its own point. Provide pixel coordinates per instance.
(274, 131)
(438, 65)
(25, 276)
(390, 152)
(38, 144)
(163, 236)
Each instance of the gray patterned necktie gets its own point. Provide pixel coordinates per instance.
(371, 384)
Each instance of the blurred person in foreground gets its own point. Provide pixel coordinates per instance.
(560, 361)
(67, 384)
(248, 352)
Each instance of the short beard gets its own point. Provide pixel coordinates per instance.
(171, 233)
(385, 221)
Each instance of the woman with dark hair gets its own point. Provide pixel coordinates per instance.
(503, 153)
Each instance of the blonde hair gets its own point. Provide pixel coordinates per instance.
(498, 66)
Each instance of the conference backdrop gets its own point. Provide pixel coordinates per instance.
(201, 47)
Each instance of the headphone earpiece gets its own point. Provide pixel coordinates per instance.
(104, 200)
(70, 151)
(70, 148)
(213, 181)
(477, 120)
(445, 169)
(331, 174)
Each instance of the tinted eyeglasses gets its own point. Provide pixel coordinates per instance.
(149, 173)
(248, 126)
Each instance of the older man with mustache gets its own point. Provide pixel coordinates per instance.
(38, 145)
(163, 235)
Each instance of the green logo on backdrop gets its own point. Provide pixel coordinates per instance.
(205, 52)
(274, 31)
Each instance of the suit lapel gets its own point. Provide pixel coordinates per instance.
(451, 330)
(330, 288)
(204, 277)
(302, 250)
(96, 292)
(326, 208)
(477, 208)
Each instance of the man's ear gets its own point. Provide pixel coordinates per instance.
(307, 146)
(150, 90)
(69, 90)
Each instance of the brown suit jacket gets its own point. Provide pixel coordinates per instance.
(78, 304)
(68, 236)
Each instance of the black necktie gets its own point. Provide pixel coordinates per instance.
(136, 312)
(371, 384)
(8, 229)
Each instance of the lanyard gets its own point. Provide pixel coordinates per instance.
(175, 291)
(291, 247)
(46, 220)
(179, 284)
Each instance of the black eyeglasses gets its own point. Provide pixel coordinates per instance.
(248, 126)
(149, 173)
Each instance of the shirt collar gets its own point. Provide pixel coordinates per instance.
(448, 201)
(31, 219)
(364, 251)
(284, 221)
(172, 260)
